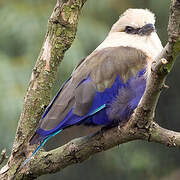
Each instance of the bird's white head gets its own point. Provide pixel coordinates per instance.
(135, 21)
(135, 28)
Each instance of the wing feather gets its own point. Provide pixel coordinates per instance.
(90, 79)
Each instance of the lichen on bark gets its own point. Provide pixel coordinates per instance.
(61, 31)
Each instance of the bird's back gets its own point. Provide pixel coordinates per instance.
(96, 86)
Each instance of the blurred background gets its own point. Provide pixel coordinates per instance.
(22, 29)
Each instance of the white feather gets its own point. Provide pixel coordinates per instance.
(150, 45)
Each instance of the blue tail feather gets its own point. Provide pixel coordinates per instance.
(39, 147)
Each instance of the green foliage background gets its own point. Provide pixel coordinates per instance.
(22, 29)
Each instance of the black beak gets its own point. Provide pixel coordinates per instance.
(146, 30)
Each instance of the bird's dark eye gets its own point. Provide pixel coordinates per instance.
(129, 29)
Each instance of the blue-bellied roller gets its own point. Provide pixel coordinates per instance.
(107, 85)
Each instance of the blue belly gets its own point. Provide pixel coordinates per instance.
(121, 100)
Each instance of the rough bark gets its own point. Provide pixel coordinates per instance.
(61, 32)
(3, 156)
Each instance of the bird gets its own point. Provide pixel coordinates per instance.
(105, 87)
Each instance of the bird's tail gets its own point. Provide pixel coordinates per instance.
(38, 148)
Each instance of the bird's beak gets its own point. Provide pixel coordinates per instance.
(146, 30)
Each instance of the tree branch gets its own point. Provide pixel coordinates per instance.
(61, 32)
(164, 136)
(3, 156)
(62, 26)
(80, 149)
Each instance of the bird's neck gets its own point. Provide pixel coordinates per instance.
(150, 45)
